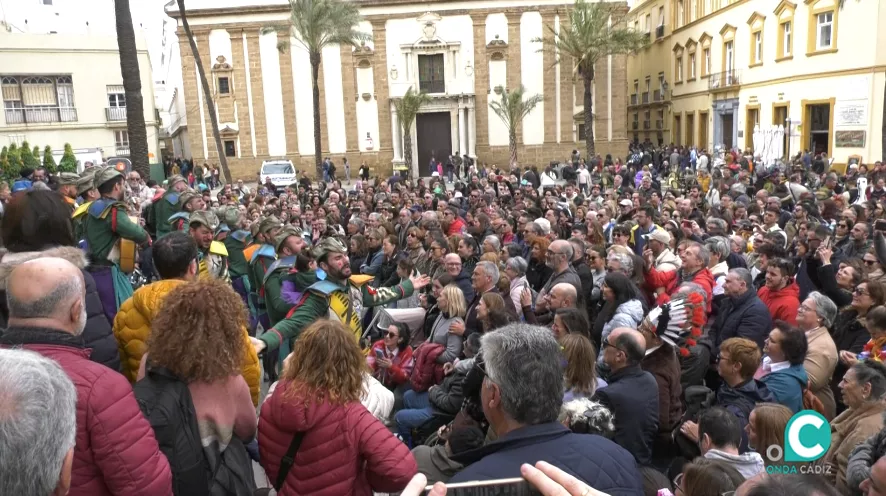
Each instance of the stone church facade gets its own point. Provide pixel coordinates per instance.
(463, 54)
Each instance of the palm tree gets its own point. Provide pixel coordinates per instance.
(132, 86)
(207, 94)
(512, 109)
(316, 24)
(592, 32)
(407, 108)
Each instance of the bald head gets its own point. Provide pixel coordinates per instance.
(565, 293)
(631, 342)
(47, 292)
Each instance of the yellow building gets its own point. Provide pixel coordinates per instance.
(737, 64)
(650, 74)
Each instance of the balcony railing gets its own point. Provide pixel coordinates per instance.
(121, 151)
(432, 86)
(40, 115)
(635, 124)
(659, 32)
(658, 124)
(645, 124)
(645, 97)
(724, 80)
(115, 113)
(633, 99)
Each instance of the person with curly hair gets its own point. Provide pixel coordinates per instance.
(207, 357)
(344, 449)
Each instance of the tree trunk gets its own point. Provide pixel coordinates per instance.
(407, 150)
(207, 95)
(132, 85)
(315, 91)
(588, 77)
(512, 145)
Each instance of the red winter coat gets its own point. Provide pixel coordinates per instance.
(669, 281)
(398, 372)
(426, 371)
(116, 451)
(456, 226)
(783, 304)
(345, 450)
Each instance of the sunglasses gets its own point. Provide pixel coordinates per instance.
(859, 292)
(392, 335)
(869, 262)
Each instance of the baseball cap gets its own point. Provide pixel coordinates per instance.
(660, 235)
(177, 178)
(626, 203)
(269, 223)
(544, 224)
(67, 178)
(104, 175)
(186, 197)
(205, 218)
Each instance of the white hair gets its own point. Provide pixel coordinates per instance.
(38, 422)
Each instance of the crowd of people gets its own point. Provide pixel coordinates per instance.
(646, 327)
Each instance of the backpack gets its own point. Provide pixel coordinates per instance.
(166, 402)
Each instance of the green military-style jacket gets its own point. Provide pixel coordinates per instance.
(258, 266)
(236, 242)
(279, 272)
(104, 224)
(164, 208)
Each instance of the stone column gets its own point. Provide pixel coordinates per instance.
(462, 134)
(258, 93)
(567, 101)
(550, 102)
(514, 76)
(349, 92)
(472, 133)
(380, 82)
(202, 40)
(287, 88)
(481, 85)
(190, 84)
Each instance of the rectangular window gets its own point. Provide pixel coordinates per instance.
(824, 32)
(691, 66)
(679, 69)
(706, 67)
(648, 84)
(230, 148)
(121, 139)
(224, 86)
(661, 18)
(730, 61)
(648, 22)
(758, 47)
(38, 99)
(431, 73)
(679, 13)
(786, 39)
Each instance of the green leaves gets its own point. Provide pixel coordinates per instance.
(68, 163)
(514, 106)
(315, 24)
(408, 106)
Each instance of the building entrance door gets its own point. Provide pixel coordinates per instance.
(434, 133)
(819, 119)
(728, 130)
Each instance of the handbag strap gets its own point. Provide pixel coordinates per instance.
(288, 460)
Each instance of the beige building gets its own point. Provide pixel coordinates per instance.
(462, 53)
(650, 74)
(61, 82)
(810, 66)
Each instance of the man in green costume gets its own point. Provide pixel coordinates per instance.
(289, 243)
(104, 225)
(168, 205)
(261, 260)
(212, 256)
(340, 296)
(188, 202)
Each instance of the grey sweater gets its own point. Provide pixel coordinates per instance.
(440, 335)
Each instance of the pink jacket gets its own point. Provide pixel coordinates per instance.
(116, 451)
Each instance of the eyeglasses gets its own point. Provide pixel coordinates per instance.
(411, 235)
(610, 345)
(392, 335)
(869, 262)
(859, 292)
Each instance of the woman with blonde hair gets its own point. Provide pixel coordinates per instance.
(207, 358)
(344, 449)
(766, 426)
(580, 376)
(453, 308)
(491, 312)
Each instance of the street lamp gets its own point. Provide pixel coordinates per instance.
(469, 69)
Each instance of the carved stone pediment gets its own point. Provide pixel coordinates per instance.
(497, 49)
(221, 64)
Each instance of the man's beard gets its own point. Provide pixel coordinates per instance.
(340, 274)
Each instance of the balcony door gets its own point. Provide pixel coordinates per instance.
(432, 73)
(730, 61)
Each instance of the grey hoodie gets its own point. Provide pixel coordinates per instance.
(628, 314)
(748, 464)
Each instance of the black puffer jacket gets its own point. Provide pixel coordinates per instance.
(97, 335)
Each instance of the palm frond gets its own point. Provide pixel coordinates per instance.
(316, 24)
(514, 106)
(408, 106)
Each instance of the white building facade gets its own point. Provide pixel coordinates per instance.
(463, 54)
(60, 78)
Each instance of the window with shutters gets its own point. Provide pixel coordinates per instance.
(38, 99)
(431, 73)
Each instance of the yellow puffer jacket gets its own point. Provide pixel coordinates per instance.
(132, 326)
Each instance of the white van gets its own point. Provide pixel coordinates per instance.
(281, 172)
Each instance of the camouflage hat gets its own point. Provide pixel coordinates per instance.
(205, 218)
(269, 223)
(85, 183)
(185, 197)
(230, 216)
(67, 179)
(174, 179)
(104, 175)
(287, 231)
(328, 245)
(253, 229)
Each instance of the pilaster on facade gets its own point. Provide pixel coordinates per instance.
(568, 90)
(481, 80)
(258, 94)
(350, 96)
(287, 87)
(243, 114)
(380, 82)
(202, 40)
(549, 82)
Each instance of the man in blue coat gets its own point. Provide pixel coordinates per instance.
(742, 314)
(521, 396)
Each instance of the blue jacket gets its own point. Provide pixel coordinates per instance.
(594, 459)
(744, 316)
(632, 397)
(741, 400)
(787, 386)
